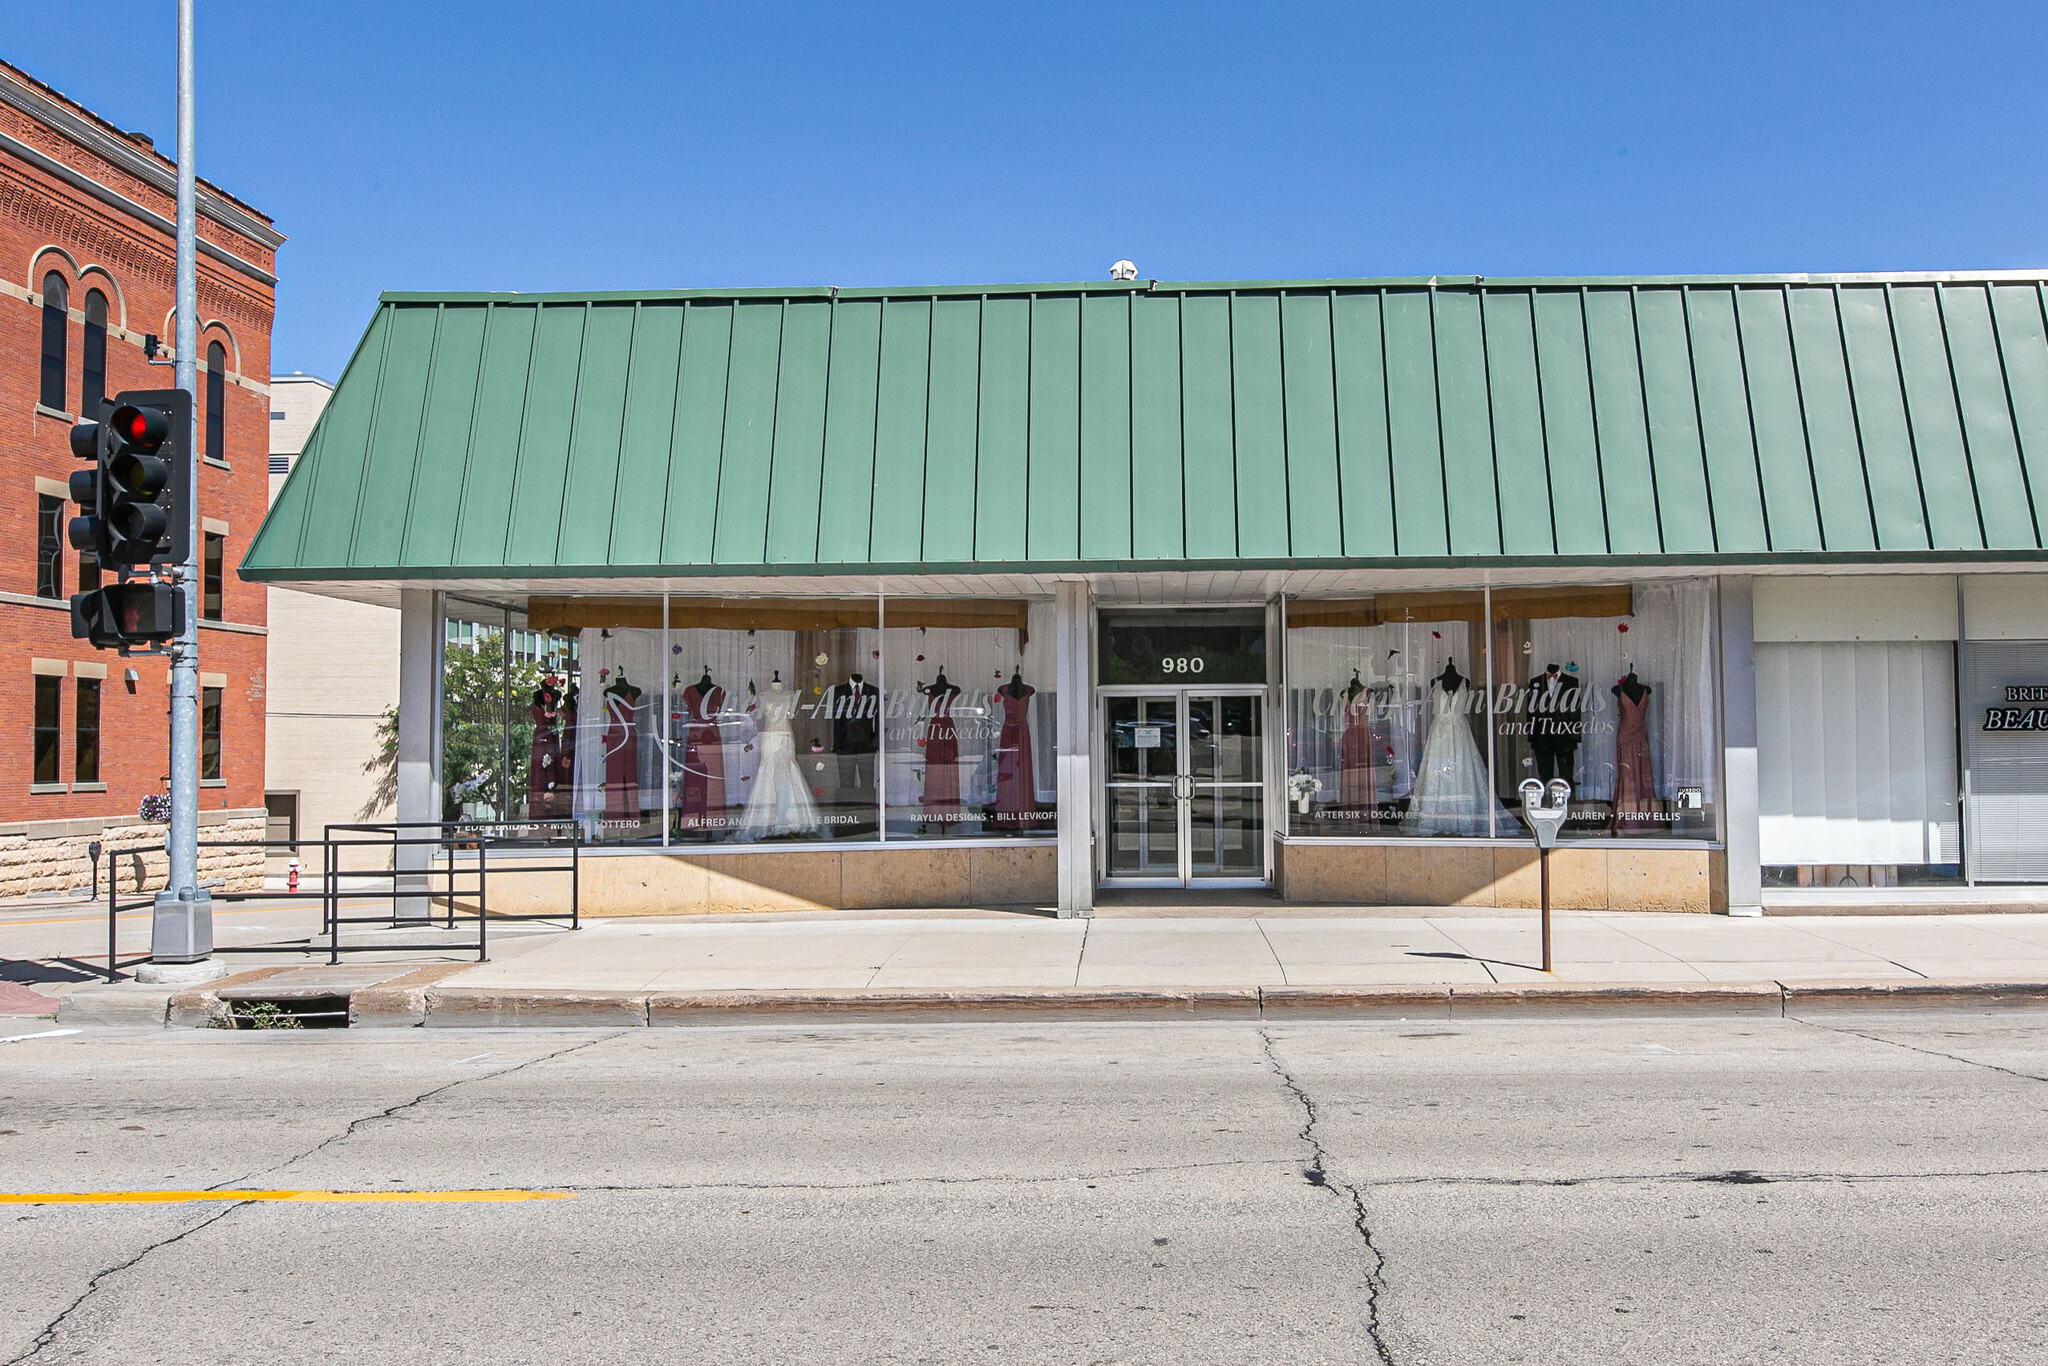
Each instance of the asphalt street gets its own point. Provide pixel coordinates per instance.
(1849, 1189)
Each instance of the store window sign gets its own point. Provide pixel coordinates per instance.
(1145, 737)
(2031, 718)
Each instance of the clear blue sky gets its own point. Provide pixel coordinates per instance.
(442, 144)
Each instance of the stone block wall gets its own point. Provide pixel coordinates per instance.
(46, 857)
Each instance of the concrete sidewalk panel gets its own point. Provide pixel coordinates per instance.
(1356, 1003)
(474, 1008)
(1675, 998)
(125, 1004)
(1852, 996)
(947, 1007)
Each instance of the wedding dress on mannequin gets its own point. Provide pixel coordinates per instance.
(1450, 795)
(779, 801)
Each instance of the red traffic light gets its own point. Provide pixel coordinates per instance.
(140, 426)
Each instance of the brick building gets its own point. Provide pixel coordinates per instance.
(87, 242)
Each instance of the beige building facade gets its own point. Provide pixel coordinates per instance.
(333, 673)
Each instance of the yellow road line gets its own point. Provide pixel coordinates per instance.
(309, 1197)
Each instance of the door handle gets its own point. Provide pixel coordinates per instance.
(1183, 787)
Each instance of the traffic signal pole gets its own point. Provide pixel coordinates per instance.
(182, 930)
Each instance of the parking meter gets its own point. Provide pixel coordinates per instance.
(1545, 806)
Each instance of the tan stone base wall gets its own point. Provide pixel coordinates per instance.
(132, 853)
(1581, 879)
(698, 883)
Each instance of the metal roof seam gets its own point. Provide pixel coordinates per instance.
(1763, 503)
(1970, 455)
(419, 435)
(370, 435)
(1906, 402)
(2012, 408)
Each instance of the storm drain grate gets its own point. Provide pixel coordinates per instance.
(287, 1012)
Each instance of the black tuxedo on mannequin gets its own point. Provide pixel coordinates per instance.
(855, 707)
(1552, 702)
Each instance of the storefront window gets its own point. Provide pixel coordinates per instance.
(1386, 716)
(1405, 719)
(774, 721)
(1612, 690)
(968, 739)
(708, 721)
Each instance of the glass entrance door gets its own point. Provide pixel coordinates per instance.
(1183, 788)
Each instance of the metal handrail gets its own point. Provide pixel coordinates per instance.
(339, 889)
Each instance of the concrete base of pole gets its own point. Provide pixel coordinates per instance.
(181, 930)
(180, 974)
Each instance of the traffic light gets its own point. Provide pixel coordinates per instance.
(135, 613)
(133, 514)
(143, 477)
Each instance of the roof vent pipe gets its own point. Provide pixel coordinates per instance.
(1123, 270)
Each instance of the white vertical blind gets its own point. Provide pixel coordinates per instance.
(1856, 752)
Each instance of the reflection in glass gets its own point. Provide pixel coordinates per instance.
(1226, 828)
(967, 724)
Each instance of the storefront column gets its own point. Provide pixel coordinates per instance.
(420, 646)
(1744, 852)
(1074, 729)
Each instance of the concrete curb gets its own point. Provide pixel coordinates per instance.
(479, 1008)
(1806, 998)
(417, 999)
(119, 1006)
(769, 1007)
(1673, 998)
(400, 1003)
(1356, 1003)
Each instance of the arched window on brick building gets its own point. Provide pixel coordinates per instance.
(92, 387)
(56, 333)
(216, 400)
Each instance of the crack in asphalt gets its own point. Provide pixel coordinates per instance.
(1916, 1048)
(1318, 1175)
(421, 1098)
(48, 1335)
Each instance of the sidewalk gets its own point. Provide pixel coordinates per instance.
(640, 971)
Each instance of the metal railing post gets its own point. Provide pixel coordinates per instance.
(483, 906)
(113, 916)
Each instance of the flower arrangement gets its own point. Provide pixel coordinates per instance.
(1301, 786)
(156, 806)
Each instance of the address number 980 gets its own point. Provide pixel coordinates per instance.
(1180, 664)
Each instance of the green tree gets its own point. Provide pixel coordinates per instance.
(474, 684)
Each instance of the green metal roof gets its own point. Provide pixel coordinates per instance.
(1150, 424)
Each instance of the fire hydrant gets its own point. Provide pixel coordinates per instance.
(291, 876)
